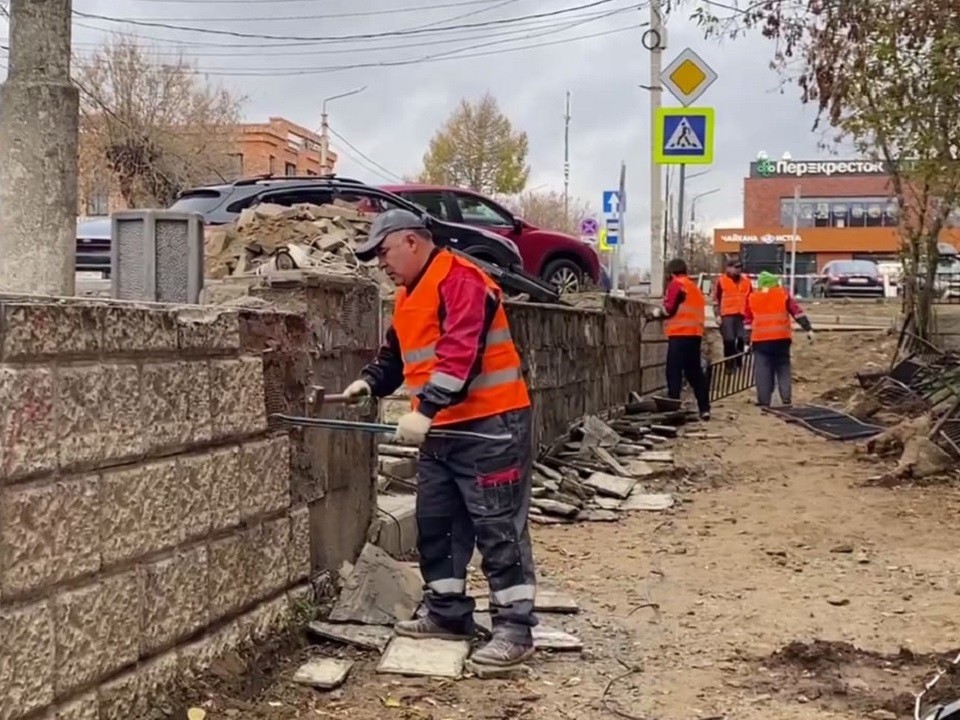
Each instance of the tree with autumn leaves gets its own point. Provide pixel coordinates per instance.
(886, 77)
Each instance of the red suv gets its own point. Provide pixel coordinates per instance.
(554, 257)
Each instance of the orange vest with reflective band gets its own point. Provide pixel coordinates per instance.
(771, 320)
(733, 295)
(692, 313)
(499, 387)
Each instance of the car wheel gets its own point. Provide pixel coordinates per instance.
(565, 275)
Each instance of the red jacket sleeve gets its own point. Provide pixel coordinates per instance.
(467, 307)
(673, 297)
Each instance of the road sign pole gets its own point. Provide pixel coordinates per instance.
(683, 183)
(656, 177)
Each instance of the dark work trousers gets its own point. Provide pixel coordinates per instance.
(477, 492)
(731, 330)
(683, 359)
(772, 368)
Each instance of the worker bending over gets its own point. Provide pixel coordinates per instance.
(684, 308)
(769, 329)
(450, 345)
(729, 305)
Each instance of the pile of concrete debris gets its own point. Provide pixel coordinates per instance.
(310, 238)
(599, 470)
(380, 591)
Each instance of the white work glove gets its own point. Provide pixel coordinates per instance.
(810, 335)
(412, 428)
(657, 313)
(356, 390)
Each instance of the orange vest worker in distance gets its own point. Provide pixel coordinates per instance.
(769, 323)
(449, 343)
(497, 388)
(690, 314)
(733, 294)
(684, 309)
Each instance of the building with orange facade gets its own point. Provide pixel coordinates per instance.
(847, 210)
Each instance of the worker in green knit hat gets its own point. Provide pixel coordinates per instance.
(768, 321)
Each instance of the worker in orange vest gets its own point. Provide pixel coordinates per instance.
(684, 308)
(449, 344)
(769, 329)
(729, 305)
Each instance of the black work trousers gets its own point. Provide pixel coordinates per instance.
(683, 360)
(732, 332)
(476, 492)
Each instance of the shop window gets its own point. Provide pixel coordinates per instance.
(843, 212)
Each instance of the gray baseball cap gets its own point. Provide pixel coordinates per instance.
(384, 224)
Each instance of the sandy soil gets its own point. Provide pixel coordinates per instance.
(781, 586)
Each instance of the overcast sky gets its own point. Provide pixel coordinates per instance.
(392, 121)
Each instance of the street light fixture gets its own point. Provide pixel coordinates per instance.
(325, 127)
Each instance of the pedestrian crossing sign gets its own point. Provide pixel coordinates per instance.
(683, 136)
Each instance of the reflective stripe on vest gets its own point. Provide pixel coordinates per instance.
(498, 388)
(733, 295)
(771, 319)
(691, 315)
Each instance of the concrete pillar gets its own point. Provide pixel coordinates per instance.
(39, 109)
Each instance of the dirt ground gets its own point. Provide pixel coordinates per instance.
(780, 586)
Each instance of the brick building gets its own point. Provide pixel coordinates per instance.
(278, 146)
(847, 210)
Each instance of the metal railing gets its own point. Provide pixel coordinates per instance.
(726, 377)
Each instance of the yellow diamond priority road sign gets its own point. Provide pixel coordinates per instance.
(687, 77)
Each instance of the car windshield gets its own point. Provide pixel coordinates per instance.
(856, 267)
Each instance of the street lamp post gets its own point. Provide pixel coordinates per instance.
(693, 206)
(325, 127)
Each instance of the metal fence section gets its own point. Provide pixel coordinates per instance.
(726, 377)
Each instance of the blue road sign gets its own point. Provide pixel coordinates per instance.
(613, 231)
(611, 201)
(684, 136)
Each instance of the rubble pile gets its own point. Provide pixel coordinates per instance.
(271, 238)
(380, 591)
(599, 470)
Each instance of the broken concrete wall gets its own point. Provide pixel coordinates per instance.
(327, 332)
(147, 516)
(580, 360)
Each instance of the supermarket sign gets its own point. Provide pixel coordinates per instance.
(824, 168)
(765, 238)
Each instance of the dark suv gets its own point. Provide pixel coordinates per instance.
(220, 204)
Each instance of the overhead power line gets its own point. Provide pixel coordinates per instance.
(291, 72)
(364, 45)
(393, 177)
(331, 38)
(336, 15)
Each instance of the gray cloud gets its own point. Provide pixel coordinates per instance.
(394, 119)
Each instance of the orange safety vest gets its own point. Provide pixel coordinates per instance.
(499, 387)
(733, 295)
(771, 319)
(692, 313)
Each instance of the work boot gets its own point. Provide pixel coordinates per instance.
(501, 652)
(426, 628)
(705, 416)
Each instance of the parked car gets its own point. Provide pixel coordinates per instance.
(93, 248)
(220, 204)
(849, 278)
(555, 257)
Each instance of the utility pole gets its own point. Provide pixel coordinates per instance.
(656, 187)
(566, 161)
(683, 185)
(325, 128)
(39, 111)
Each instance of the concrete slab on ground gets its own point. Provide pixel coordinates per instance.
(367, 637)
(323, 673)
(398, 524)
(379, 591)
(610, 485)
(424, 658)
(648, 501)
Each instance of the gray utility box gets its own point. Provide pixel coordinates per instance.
(156, 256)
